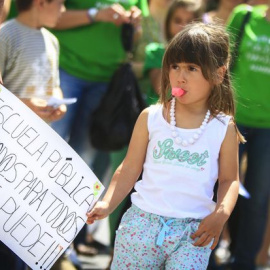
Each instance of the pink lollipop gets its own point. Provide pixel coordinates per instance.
(177, 92)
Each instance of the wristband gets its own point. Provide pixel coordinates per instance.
(92, 12)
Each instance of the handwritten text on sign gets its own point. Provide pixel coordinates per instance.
(45, 187)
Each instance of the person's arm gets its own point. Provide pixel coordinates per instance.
(5, 7)
(211, 227)
(74, 18)
(126, 174)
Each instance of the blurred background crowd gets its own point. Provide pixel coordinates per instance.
(72, 49)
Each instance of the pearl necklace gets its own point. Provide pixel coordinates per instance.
(175, 134)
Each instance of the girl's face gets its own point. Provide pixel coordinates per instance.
(189, 77)
(180, 18)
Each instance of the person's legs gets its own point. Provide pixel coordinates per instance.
(262, 258)
(149, 241)
(253, 211)
(91, 97)
(74, 126)
(233, 222)
(135, 242)
(71, 87)
(9, 260)
(186, 256)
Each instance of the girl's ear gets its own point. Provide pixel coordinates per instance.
(220, 74)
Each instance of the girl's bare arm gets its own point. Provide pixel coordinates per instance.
(126, 174)
(212, 226)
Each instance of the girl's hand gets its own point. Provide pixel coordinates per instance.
(100, 211)
(210, 228)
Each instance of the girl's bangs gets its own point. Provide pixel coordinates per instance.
(187, 50)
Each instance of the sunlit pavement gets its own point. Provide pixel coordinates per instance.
(102, 259)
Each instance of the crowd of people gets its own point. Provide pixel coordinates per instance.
(202, 67)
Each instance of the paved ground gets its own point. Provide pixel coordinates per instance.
(99, 262)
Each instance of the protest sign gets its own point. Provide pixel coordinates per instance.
(45, 187)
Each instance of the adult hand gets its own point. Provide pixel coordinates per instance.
(210, 228)
(135, 15)
(115, 14)
(100, 211)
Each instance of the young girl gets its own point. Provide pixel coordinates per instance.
(184, 144)
(180, 13)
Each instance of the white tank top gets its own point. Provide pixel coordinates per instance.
(178, 181)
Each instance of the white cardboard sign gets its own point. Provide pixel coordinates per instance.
(45, 187)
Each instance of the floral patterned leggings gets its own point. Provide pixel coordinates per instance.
(148, 241)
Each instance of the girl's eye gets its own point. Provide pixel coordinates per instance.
(173, 66)
(192, 68)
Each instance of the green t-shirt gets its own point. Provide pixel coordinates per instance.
(153, 60)
(93, 52)
(251, 73)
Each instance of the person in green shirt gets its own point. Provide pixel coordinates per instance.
(89, 35)
(251, 77)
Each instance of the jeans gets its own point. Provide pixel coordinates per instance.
(253, 212)
(74, 126)
(9, 260)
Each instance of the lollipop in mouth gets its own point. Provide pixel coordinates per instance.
(177, 92)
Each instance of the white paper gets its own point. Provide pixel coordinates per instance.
(243, 191)
(45, 187)
(56, 102)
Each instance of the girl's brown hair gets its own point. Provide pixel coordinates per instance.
(206, 45)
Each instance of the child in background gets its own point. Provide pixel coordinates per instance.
(183, 145)
(222, 11)
(180, 13)
(29, 67)
(29, 56)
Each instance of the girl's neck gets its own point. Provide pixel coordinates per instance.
(196, 109)
(188, 117)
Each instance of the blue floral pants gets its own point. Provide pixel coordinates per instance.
(149, 241)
